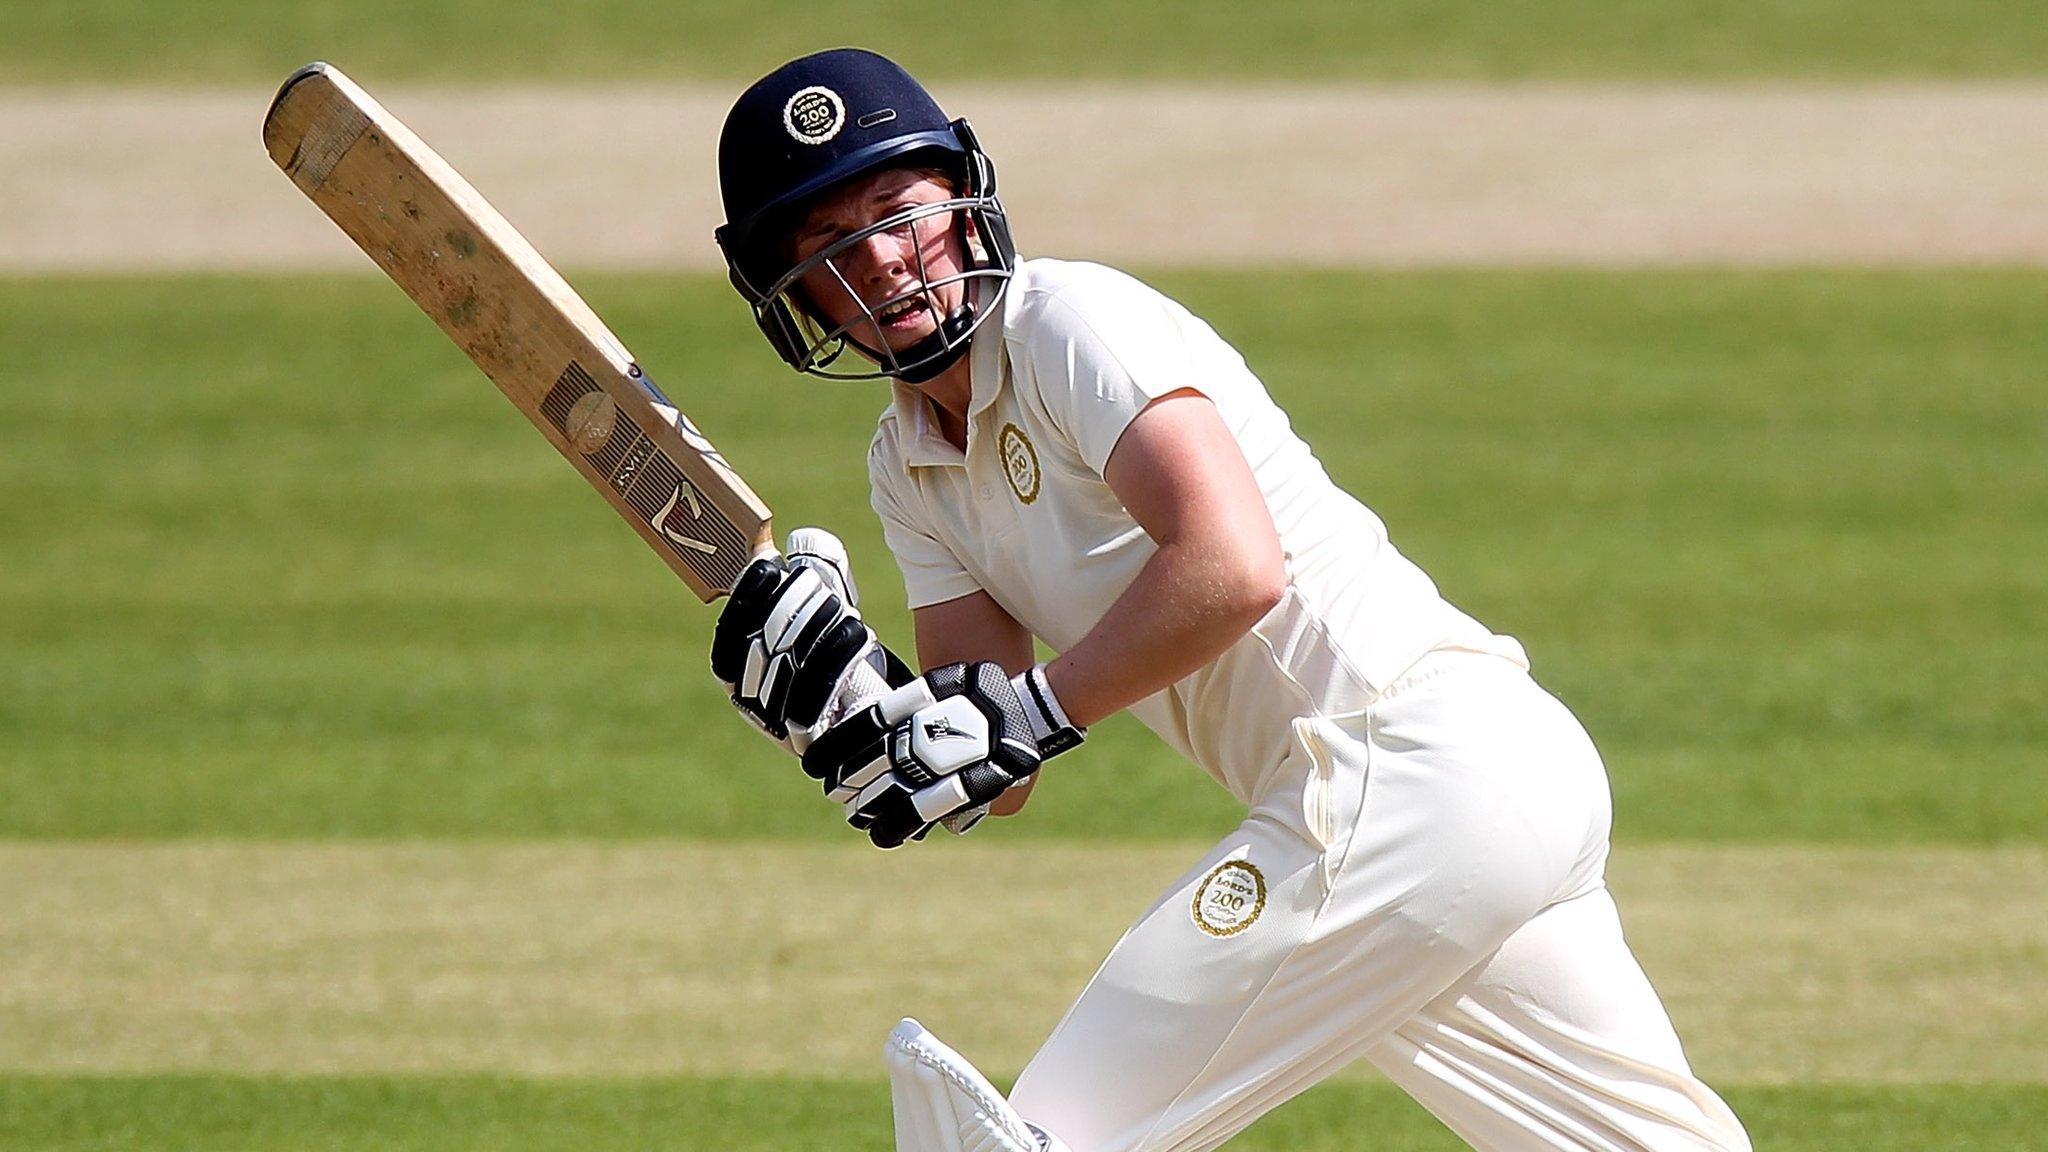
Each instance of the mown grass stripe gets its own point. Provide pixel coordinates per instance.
(1779, 965)
(196, 41)
(428, 1114)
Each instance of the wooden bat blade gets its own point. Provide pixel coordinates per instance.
(514, 315)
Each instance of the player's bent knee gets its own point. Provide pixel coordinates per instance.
(944, 1104)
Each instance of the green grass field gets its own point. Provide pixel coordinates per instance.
(280, 563)
(202, 41)
(362, 785)
(435, 1115)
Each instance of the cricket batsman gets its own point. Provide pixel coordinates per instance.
(1071, 456)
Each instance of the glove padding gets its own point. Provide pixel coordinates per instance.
(938, 749)
(790, 644)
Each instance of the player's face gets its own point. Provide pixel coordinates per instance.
(889, 270)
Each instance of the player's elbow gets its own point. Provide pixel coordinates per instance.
(1258, 581)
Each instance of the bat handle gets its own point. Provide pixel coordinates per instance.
(865, 683)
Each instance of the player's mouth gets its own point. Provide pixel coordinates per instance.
(904, 316)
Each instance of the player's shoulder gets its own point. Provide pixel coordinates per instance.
(1056, 290)
(1072, 307)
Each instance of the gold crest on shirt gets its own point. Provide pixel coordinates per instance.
(1020, 462)
(1230, 898)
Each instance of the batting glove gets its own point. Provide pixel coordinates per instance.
(937, 749)
(790, 646)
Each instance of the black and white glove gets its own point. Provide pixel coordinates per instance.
(790, 646)
(938, 749)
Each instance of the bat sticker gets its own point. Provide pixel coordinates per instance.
(687, 496)
(638, 470)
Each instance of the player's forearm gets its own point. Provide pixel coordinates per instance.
(973, 627)
(1192, 600)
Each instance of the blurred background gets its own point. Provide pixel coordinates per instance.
(362, 783)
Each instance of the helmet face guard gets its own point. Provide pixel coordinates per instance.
(795, 327)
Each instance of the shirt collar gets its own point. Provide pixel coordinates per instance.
(918, 434)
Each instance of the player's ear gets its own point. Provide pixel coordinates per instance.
(970, 233)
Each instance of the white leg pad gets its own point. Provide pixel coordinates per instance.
(944, 1105)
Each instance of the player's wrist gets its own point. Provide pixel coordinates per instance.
(1050, 726)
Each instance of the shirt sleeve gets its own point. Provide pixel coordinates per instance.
(931, 573)
(1105, 349)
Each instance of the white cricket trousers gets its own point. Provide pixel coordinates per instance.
(1422, 889)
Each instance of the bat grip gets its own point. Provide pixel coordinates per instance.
(865, 683)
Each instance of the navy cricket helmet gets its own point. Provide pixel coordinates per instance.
(813, 125)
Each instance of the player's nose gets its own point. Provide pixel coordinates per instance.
(880, 257)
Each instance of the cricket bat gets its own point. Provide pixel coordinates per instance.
(515, 316)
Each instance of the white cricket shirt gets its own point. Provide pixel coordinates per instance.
(1025, 515)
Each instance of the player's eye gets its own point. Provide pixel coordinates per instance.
(811, 243)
